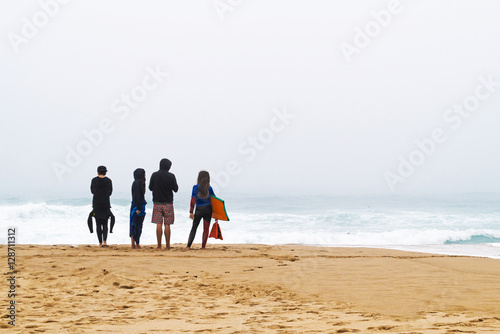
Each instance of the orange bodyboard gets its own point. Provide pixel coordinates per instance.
(218, 209)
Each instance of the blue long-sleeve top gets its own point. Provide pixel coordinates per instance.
(195, 198)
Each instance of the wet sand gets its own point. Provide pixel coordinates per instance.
(250, 289)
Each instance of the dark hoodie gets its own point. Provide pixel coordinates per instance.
(139, 188)
(163, 183)
(102, 189)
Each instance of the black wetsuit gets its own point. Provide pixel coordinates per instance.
(102, 189)
(205, 213)
(102, 230)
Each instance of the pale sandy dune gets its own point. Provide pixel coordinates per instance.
(251, 289)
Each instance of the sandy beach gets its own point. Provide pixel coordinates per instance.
(250, 289)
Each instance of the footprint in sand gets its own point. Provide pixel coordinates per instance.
(126, 287)
(348, 330)
(381, 328)
(276, 326)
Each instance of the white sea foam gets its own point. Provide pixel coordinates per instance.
(447, 229)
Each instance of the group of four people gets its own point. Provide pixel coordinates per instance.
(162, 184)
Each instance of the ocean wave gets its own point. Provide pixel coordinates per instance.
(475, 239)
(65, 223)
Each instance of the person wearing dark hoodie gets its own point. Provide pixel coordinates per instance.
(101, 187)
(163, 184)
(138, 207)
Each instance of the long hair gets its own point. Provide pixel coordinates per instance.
(203, 184)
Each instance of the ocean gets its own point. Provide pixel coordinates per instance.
(466, 224)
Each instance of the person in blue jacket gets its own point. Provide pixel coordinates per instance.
(138, 207)
(201, 198)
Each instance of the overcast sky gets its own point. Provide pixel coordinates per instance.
(274, 97)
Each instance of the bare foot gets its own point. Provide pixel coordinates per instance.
(187, 248)
(100, 245)
(133, 247)
(158, 248)
(167, 248)
(138, 246)
(104, 243)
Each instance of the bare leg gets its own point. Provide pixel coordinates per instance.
(167, 236)
(206, 228)
(158, 235)
(133, 242)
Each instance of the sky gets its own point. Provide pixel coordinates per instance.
(282, 97)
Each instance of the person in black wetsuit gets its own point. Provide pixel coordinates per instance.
(138, 207)
(101, 187)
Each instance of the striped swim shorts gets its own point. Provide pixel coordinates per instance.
(163, 213)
